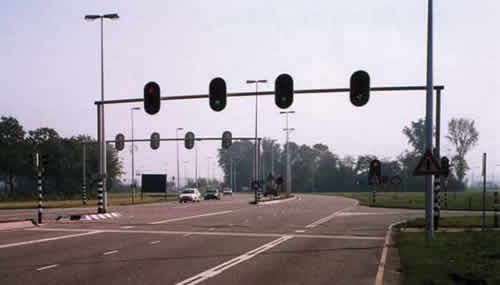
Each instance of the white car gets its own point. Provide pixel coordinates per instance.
(227, 191)
(190, 194)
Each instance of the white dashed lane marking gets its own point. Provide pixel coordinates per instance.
(154, 242)
(110, 252)
(47, 267)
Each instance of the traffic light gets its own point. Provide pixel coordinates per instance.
(375, 170)
(189, 140)
(155, 140)
(217, 94)
(152, 97)
(119, 142)
(360, 88)
(445, 166)
(227, 139)
(283, 91)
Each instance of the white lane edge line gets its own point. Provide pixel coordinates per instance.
(233, 262)
(331, 216)
(191, 217)
(381, 266)
(47, 267)
(110, 252)
(48, 239)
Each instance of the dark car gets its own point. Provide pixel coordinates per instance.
(212, 194)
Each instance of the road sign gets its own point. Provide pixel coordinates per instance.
(427, 166)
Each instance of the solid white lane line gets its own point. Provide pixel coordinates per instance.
(110, 252)
(327, 218)
(231, 234)
(154, 242)
(233, 262)
(47, 267)
(380, 272)
(48, 239)
(190, 217)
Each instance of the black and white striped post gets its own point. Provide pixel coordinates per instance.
(495, 201)
(40, 188)
(84, 194)
(445, 189)
(100, 197)
(437, 201)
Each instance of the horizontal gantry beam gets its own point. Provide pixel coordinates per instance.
(267, 93)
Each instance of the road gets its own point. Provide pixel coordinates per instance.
(308, 240)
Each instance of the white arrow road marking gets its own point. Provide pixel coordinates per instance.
(230, 263)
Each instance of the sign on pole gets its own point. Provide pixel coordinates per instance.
(427, 165)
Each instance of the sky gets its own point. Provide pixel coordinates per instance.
(50, 71)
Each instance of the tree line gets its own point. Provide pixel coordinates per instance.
(63, 175)
(317, 168)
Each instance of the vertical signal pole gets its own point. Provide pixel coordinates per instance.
(484, 191)
(84, 181)
(437, 154)
(428, 125)
(40, 189)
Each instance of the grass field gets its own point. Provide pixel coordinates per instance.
(114, 199)
(456, 222)
(451, 258)
(416, 200)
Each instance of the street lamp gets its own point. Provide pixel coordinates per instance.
(177, 145)
(256, 82)
(288, 168)
(102, 145)
(208, 168)
(132, 181)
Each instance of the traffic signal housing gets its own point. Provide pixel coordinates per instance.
(119, 142)
(445, 166)
(375, 170)
(155, 140)
(217, 94)
(152, 98)
(283, 91)
(227, 139)
(189, 140)
(359, 88)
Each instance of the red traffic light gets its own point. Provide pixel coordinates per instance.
(152, 98)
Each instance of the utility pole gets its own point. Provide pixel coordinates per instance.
(256, 168)
(177, 145)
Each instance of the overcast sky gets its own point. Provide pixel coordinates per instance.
(50, 70)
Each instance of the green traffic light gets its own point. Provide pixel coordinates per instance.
(283, 99)
(217, 102)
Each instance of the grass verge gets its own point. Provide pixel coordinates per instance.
(451, 258)
(114, 200)
(456, 222)
(416, 200)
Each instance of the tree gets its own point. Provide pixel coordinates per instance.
(13, 155)
(463, 135)
(416, 135)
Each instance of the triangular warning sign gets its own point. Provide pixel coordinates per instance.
(427, 165)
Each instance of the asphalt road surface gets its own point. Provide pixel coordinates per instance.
(308, 240)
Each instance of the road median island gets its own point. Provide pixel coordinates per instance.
(460, 253)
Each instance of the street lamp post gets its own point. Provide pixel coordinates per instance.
(185, 173)
(288, 168)
(208, 168)
(196, 166)
(132, 181)
(256, 82)
(177, 145)
(101, 187)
